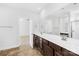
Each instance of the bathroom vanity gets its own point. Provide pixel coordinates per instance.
(52, 45)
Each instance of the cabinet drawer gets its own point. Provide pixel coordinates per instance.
(55, 47)
(65, 52)
(45, 41)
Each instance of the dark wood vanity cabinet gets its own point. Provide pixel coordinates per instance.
(36, 41)
(57, 49)
(45, 41)
(66, 52)
(48, 48)
(47, 51)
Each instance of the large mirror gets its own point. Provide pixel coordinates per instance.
(57, 24)
(60, 23)
(64, 24)
(65, 28)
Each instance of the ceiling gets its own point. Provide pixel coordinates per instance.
(42, 8)
(36, 7)
(72, 7)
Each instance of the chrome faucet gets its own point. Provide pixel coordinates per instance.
(64, 38)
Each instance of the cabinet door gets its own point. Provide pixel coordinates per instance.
(47, 51)
(36, 41)
(55, 47)
(45, 41)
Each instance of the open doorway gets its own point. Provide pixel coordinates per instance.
(24, 30)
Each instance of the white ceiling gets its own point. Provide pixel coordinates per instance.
(72, 7)
(41, 8)
(35, 7)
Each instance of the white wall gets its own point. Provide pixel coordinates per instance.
(8, 28)
(9, 37)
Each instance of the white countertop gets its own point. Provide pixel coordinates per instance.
(70, 44)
